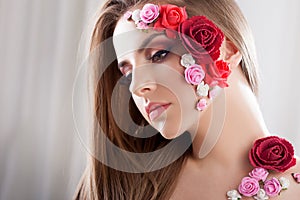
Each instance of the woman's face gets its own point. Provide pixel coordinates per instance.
(152, 62)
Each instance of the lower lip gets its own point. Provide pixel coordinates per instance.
(154, 114)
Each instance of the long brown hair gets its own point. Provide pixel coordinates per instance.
(100, 181)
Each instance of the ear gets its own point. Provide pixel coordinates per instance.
(230, 53)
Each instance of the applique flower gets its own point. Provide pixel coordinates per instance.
(171, 17)
(296, 177)
(128, 14)
(259, 173)
(201, 105)
(272, 187)
(272, 153)
(187, 60)
(149, 13)
(202, 38)
(194, 74)
(217, 74)
(135, 16)
(202, 89)
(284, 182)
(249, 186)
(261, 195)
(233, 195)
(142, 25)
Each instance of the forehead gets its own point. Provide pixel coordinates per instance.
(127, 38)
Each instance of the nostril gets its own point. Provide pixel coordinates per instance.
(145, 89)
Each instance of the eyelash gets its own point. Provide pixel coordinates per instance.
(157, 57)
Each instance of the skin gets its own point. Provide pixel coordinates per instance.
(221, 165)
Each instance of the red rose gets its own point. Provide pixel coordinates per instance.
(217, 74)
(170, 18)
(272, 153)
(201, 37)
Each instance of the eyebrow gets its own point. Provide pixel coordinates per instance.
(143, 45)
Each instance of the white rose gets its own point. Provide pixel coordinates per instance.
(187, 60)
(261, 195)
(202, 89)
(233, 195)
(136, 16)
(285, 183)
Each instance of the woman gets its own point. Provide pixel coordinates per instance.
(187, 70)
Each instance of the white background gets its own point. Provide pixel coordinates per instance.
(40, 154)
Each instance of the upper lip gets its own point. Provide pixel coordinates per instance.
(153, 105)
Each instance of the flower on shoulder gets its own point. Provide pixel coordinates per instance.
(249, 186)
(259, 173)
(261, 195)
(272, 187)
(284, 182)
(272, 153)
(296, 177)
(233, 195)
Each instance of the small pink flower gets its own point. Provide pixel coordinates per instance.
(296, 176)
(128, 14)
(201, 105)
(249, 187)
(149, 13)
(272, 187)
(259, 173)
(194, 74)
(142, 25)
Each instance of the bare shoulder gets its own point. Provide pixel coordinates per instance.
(293, 191)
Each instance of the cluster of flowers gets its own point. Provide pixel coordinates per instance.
(200, 37)
(269, 153)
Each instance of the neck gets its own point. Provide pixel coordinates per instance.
(229, 126)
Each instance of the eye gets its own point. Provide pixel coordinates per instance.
(159, 55)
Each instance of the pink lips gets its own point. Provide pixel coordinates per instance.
(154, 110)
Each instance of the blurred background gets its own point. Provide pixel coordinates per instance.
(41, 156)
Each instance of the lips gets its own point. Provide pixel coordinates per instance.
(154, 110)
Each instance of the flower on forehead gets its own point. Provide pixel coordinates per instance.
(202, 38)
(272, 187)
(187, 60)
(217, 73)
(202, 89)
(194, 74)
(149, 13)
(272, 153)
(170, 18)
(201, 105)
(135, 16)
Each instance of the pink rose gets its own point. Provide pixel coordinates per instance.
(142, 25)
(296, 176)
(259, 174)
(249, 186)
(272, 187)
(201, 105)
(194, 74)
(128, 14)
(149, 13)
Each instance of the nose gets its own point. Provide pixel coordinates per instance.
(144, 89)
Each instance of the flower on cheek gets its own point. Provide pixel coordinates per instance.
(249, 187)
(170, 18)
(259, 174)
(149, 13)
(217, 74)
(272, 187)
(194, 74)
(202, 38)
(272, 153)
